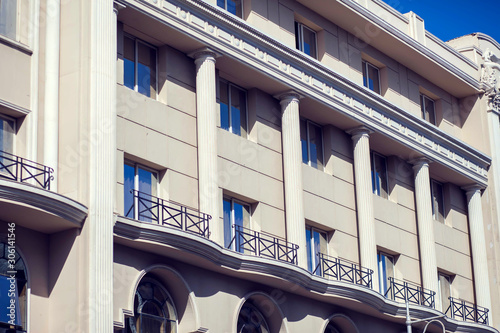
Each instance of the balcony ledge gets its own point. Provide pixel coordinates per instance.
(38, 209)
(205, 253)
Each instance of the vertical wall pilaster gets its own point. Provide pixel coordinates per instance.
(292, 174)
(364, 200)
(425, 224)
(102, 164)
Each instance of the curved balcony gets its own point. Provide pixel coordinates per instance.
(19, 169)
(408, 292)
(343, 270)
(466, 311)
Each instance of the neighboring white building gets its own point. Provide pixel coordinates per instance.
(245, 166)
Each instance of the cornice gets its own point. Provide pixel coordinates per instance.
(232, 37)
(488, 38)
(13, 109)
(51, 202)
(330, 290)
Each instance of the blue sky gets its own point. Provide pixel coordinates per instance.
(448, 19)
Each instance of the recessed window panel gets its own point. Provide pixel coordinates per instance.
(371, 77)
(233, 119)
(305, 39)
(311, 138)
(139, 66)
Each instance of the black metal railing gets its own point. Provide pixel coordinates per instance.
(413, 293)
(263, 244)
(343, 270)
(148, 208)
(466, 311)
(22, 170)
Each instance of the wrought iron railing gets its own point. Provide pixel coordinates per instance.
(413, 293)
(148, 208)
(22, 170)
(263, 244)
(343, 270)
(466, 311)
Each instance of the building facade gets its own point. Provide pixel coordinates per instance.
(245, 166)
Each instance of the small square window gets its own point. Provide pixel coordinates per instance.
(139, 66)
(236, 215)
(444, 285)
(316, 243)
(8, 18)
(235, 7)
(379, 175)
(233, 108)
(428, 109)
(437, 201)
(305, 40)
(371, 77)
(311, 138)
(385, 271)
(140, 189)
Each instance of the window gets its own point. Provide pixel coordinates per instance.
(139, 66)
(6, 134)
(8, 18)
(305, 40)
(444, 285)
(437, 201)
(311, 138)
(251, 320)
(234, 118)
(19, 297)
(236, 217)
(316, 243)
(385, 271)
(427, 107)
(140, 185)
(235, 7)
(379, 175)
(154, 310)
(371, 77)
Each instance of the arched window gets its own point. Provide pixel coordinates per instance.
(13, 290)
(154, 311)
(251, 320)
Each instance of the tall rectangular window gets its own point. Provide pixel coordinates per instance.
(316, 243)
(311, 138)
(428, 110)
(236, 213)
(379, 175)
(7, 130)
(145, 181)
(305, 40)
(437, 201)
(385, 271)
(444, 285)
(233, 108)
(235, 7)
(8, 18)
(139, 66)
(371, 77)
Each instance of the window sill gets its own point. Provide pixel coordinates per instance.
(16, 45)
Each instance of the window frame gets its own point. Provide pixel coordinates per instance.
(17, 25)
(383, 283)
(308, 138)
(365, 64)
(136, 61)
(386, 180)
(136, 167)
(233, 200)
(434, 182)
(299, 38)
(449, 278)
(423, 97)
(312, 258)
(229, 86)
(14, 131)
(225, 8)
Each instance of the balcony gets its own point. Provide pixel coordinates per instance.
(343, 270)
(405, 291)
(466, 311)
(148, 208)
(263, 244)
(19, 169)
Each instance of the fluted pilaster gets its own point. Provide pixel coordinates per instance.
(102, 166)
(206, 106)
(425, 224)
(292, 174)
(364, 200)
(478, 246)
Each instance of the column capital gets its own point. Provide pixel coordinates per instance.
(472, 189)
(420, 162)
(203, 54)
(359, 131)
(288, 96)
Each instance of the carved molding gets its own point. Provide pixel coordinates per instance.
(490, 77)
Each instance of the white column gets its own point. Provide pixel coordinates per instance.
(292, 174)
(102, 160)
(425, 224)
(51, 108)
(364, 201)
(206, 106)
(478, 246)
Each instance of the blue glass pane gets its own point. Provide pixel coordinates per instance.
(228, 232)
(224, 116)
(10, 311)
(128, 73)
(238, 214)
(314, 154)
(370, 84)
(305, 159)
(235, 121)
(316, 237)
(309, 250)
(128, 185)
(307, 48)
(231, 7)
(365, 82)
(144, 79)
(147, 187)
(221, 3)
